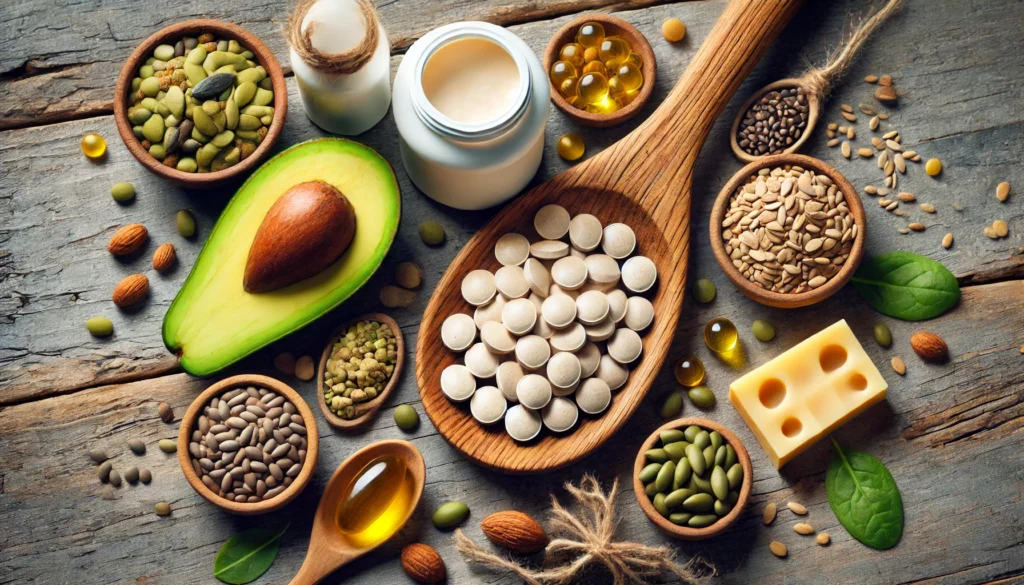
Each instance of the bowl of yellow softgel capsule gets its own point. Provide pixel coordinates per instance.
(601, 70)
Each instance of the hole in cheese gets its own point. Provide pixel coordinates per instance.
(791, 427)
(858, 382)
(832, 357)
(772, 392)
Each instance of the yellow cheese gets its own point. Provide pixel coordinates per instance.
(807, 392)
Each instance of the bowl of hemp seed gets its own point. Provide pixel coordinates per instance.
(200, 102)
(359, 369)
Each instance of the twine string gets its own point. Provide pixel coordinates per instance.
(346, 62)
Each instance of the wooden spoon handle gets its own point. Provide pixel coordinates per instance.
(321, 562)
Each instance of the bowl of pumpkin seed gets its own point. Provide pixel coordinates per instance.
(200, 102)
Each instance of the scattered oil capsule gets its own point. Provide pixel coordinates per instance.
(720, 335)
(591, 34)
(570, 146)
(93, 145)
(630, 76)
(689, 371)
(561, 71)
(572, 54)
(592, 88)
(614, 51)
(615, 87)
(568, 89)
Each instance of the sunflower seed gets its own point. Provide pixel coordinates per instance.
(865, 152)
(901, 165)
(927, 208)
(769, 514)
(873, 123)
(947, 241)
(898, 366)
(846, 149)
(834, 141)
(803, 528)
(849, 116)
(906, 197)
(916, 226)
(1003, 191)
(797, 508)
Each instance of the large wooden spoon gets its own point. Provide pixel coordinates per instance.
(329, 547)
(644, 181)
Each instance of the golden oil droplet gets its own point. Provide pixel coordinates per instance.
(376, 501)
(93, 145)
(591, 34)
(572, 54)
(630, 76)
(592, 88)
(720, 335)
(561, 71)
(614, 51)
(689, 371)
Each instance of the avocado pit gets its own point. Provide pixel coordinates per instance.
(306, 230)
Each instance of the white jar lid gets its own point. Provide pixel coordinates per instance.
(602, 269)
(481, 362)
(593, 396)
(488, 405)
(569, 273)
(458, 332)
(457, 383)
(639, 313)
(507, 377)
(519, 316)
(522, 424)
(585, 232)
(564, 370)
(478, 287)
(511, 282)
(560, 414)
(589, 356)
(551, 222)
(537, 277)
(591, 307)
(497, 339)
(489, 312)
(619, 241)
(612, 372)
(625, 346)
(534, 391)
(639, 274)
(549, 249)
(532, 352)
(616, 305)
(569, 339)
(559, 310)
(512, 249)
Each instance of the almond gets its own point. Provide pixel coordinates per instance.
(515, 531)
(164, 257)
(128, 239)
(929, 346)
(422, 563)
(131, 291)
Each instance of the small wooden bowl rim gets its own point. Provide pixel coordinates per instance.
(814, 111)
(788, 300)
(685, 532)
(637, 41)
(312, 445)
(370, 407)
(124, 84)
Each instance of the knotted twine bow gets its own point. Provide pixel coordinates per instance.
(346, 62)
(587, 539)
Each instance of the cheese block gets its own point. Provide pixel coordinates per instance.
(807, 392)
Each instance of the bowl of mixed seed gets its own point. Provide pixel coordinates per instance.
(200, 102)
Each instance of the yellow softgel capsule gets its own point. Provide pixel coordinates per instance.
(561, 71)
(628, 97)
(93, 145)
(591, 34)
(568, 89)
(591, 54)
(570, 146)
(635, 60)
(592, 88)
(595, 67)
(614, 50)
(630, 76)
(673, 30)
(689, 371)
(608, 105)
(572, 54)
(720, 335)
(933, 167)
(615, 86)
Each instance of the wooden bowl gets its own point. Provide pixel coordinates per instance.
(312, 447)
(612, 27)
(172, 33)
(685, 532)
(367, 409)
(814, 112)
(788, 300)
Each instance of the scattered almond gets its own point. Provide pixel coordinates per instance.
(128, 239)
(770, 510)
(131, 291)
(898, 366)
(797, 509)
(929, 346)
(515, 531)
(164, 257)
(823, 538)
(803, 528)
(422, 563)
(1003, 191)
(778, 549)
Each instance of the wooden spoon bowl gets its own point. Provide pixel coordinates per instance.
(644, 181)
(777, 299)
(612, 27)
(188, 424)
(365, 410)
(329, 547)
(173, 33)
(685, 532)
(814, 105)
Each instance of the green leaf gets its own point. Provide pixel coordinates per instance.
(247, 555)
(906, 286)
(864, 497)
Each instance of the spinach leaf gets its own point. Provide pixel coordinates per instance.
(906, 286)
(864, 497)
(247, 555)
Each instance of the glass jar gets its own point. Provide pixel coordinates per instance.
(471, 103)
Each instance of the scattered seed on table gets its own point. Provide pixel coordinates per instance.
(763, 330)
(145, 475)
(803, 528)
(432, 233)
(846, 108)
(166, 412)
(778, 549)
(833, 126)
(132, 474)
(833, 142)
(115, 478)
(947, 241)
(893, 145)
(168, 445)
(109, 493)
(797, 508)
(103, 472)
(823, 538)
(672, 405)
(406, 417)
(873, 123)
(865, 152)
(704, 290)
(849, 116)
(917, 226)
(871, 190)
(927, 208)
(304, 368)
(851, 133)
(882, 334)
(98, 456)
(99, 326)
(933, 167)
(990, 233)
(846, 149)
(906, 197)
(866, 109)
(285, 363)
(898, 366)
(769, 513)
(163, 509)
(137, 446)
(1003, 191)
(883, 116)
(1000, 228)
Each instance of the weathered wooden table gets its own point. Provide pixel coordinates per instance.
(951, 434)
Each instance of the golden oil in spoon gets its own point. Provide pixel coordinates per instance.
(376, 502)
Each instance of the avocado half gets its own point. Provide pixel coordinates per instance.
(213, 322)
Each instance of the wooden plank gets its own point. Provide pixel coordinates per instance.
(59, 64)
(57, 213)
(951, 435)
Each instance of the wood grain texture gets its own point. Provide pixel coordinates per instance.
(57, 213)
(959, 475)
(642, 181)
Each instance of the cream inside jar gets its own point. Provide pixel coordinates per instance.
(471, 80)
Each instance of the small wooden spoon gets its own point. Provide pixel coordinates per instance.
(366, 410)
(644, 181)
(329, 547)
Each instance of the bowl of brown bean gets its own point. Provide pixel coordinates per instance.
(788, 230)
(248, 444)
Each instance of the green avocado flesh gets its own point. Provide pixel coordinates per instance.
(214, 322)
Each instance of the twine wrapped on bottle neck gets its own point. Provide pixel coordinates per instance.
(346, 62)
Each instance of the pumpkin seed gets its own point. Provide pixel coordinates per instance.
(696, 458)
(701, 396)
(716, 439)
(683, 473)
(735, 476)
(720, 455)
(677, 497)
(700, 484)
(722, 507)
(702, 439)
(702, 521)
(882, 334)
(656, 455)
(672, 405)
(671, 436)
(649, 472)
(666, 474)
(680, 518)
(659, 504)
(450, 515)
(769, 513)
(797, 508)
(691, 432)
(676, 451)
(720, 483)
(432, 233)
(709, 456)
(699, 503)
(704, 290)
(730, 457)
(649, 488)
(186, 223)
